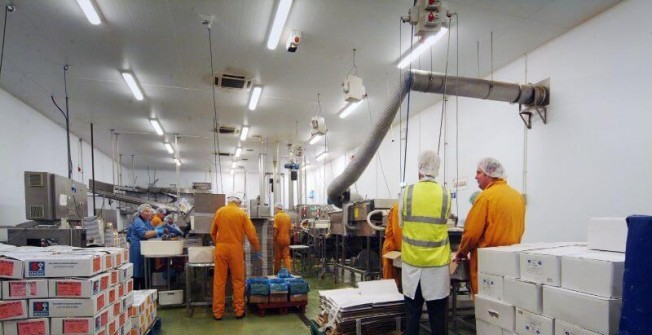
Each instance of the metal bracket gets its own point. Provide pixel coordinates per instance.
(527, 111)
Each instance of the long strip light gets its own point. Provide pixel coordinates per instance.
(133, 85)
(322, 155)
(238, 151)
(282, 12)
(348, 109)
(157, 126)
(90, 11)
(169, 148)
(177, 161)
(255, 96)
(243, 132)
(315, 138)
(423, 45)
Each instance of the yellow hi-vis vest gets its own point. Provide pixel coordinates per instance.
(426, 206)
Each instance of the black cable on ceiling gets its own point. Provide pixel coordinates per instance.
(216, 138)
(8, 9)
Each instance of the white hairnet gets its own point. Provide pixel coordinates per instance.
(429, 163)
(492, 168)
(169, 218)
(161, 211)
(144, 207)
(278, 205)
(232, 198)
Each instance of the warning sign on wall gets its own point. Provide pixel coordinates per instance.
(460, 184)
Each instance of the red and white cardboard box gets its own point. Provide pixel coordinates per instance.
(113, 326)
(533, 324)
(127, 301)
(112, 295)
(490, 285)
(496, 312)
(598, 314)
(117, 308)
(524, 295)
(544, 266)
(27, 327)
(129, 286)
(61, 265)
(67, 307)
(606, 271)
(13, 309)
(78, 325)
(25, 289)
(126, 272)
(115, 277)
(565, 328)
(78, 287)
(11, 268)
(608, 234)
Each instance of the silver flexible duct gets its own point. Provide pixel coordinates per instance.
(424, 81)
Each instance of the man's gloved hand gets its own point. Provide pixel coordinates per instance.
(258, 256)
(160, 230)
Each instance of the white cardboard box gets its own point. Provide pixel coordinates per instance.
(25, 289)
(200, 254)
(126, 272)
(58, 308)
(533, 324)
(606, 269)
(490, 285)
(588, 311)
(564, 328)
(27, 327)
(486, 328)
(13, 309)
(608, 234)
(11, 268)
(78, 325)
(504, 261)
(61, 265)
(544, 266)
(78, 287)
(495, 312)
(524, 295)
(173, 297)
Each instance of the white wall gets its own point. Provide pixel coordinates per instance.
(592, 159)
(31, 142)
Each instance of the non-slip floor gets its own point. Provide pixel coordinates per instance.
(176, 321)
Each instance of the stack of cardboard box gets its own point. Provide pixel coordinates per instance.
(65, 290)
(551, 288)
(143, 311)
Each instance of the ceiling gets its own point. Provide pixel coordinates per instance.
(164, 43)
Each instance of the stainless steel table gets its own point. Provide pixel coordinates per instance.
(190, 269)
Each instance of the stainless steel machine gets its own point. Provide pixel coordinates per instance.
(52, 197)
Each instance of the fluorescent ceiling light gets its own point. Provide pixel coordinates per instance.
(322, 155)
(348, 109)
(238, 151)
(176, 160)
(315, 138)
(243, 132)
(169, 148)
(157, 126)
(282, 12)
(255, 96)
(90, 12)
(133, 85)
(423, 45)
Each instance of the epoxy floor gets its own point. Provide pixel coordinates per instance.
(176, 321)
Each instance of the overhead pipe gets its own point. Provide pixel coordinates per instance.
(424, 81)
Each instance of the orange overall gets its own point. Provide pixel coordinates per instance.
(230, 225)
(497, 218)
(393, 239)
(282, 228)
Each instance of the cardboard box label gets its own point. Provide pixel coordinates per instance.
(97, 264)
(104, 283)
(32, 327)
(41, 308)
(36, 269)
(22, 289)
(11, 309)
(100, 301)
(73, 326)
(6, 268)
(69, 289)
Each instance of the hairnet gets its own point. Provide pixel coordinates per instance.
(232, 198)
(492, 167)
(144, 207)
(278, 205)
(429, 163)
(161, 211)
(474, 196)
(169, 218)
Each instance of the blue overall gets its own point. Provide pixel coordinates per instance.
(136, 232)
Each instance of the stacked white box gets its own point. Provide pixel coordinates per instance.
(524, 295)
(598, 314)
(143, 311)
(78, 287)
(25, 289)
(28, 326)
(607, 234)
(490, 286)
(606, 271)
(544, 265)
(13, 310)
(495, 312)
(527, 323)
(565, 328)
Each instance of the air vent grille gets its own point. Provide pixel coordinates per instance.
(36, 179)
(36, 212)
(231, 81)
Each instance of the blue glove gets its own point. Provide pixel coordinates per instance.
(160, 230)
(258, 256)
(173, 229)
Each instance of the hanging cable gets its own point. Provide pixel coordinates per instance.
(444, 99)
(8, 9)
(216, 139)
(354, 68)
(457, 124)
(400, 107)
(492, 55)
(407, 114)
